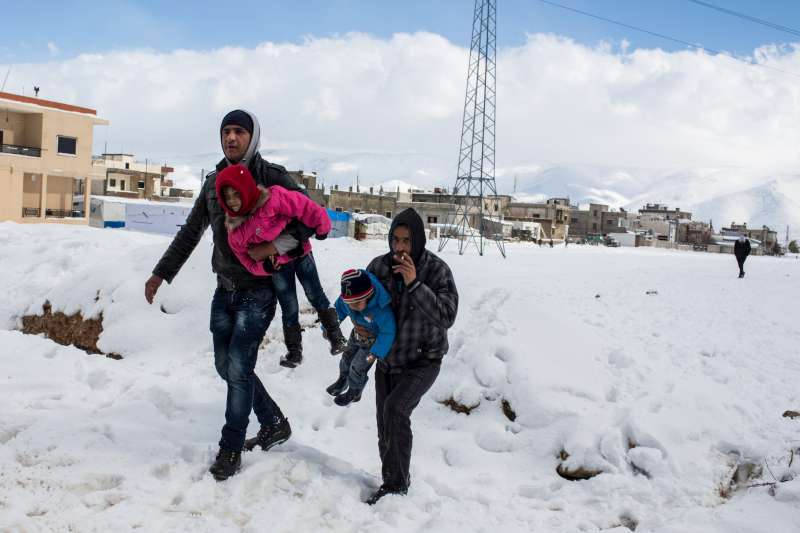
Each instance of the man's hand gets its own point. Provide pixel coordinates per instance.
(405, 267)
(259, 252)
(361, 331)
(151, 287)
(370, 358)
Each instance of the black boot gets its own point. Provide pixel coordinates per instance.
(348, 397)
(270, 436)
(338, 386)
(385, 490)
(293, 338)
(226, 464)
(330, 321)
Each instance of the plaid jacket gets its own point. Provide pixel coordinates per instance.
(424, 311)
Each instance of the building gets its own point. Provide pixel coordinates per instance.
(664, 212)
(765, 236)
(309, 181)
(553, 216)
(46, 160)
(360, 202)
(584, 223)
(132, 179)
(694, 232)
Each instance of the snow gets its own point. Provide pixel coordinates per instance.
(665, 393)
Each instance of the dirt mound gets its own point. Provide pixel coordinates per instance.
(69, 330)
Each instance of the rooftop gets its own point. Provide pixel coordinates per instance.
(47, 103)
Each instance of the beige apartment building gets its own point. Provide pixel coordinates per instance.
(45, 160)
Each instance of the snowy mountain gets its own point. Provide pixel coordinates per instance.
(720, 194)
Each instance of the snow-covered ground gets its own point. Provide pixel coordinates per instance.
(658, 368)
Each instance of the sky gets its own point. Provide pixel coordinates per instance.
(389, 77)
(101, 26)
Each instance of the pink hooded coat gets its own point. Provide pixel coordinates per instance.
(269, 219)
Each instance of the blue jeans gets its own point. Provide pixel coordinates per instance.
(239, 320)
(354, 363)
(305, 268)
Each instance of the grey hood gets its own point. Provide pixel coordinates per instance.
(255, 143)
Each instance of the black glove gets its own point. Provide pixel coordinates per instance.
(321, 237)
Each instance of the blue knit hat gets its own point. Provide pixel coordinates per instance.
(356, 286)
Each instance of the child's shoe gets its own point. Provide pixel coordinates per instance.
(331, 330)
(347, 397)
(338, 386)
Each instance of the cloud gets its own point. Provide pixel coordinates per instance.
(559, 102)
(53, 48)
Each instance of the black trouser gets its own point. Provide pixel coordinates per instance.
(740, 259)
(396, 396)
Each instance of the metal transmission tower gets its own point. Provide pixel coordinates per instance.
(467, 220)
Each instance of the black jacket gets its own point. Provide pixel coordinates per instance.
(423, 311)
(207, 212)
(741, 249)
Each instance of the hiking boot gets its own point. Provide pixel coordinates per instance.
(270, 436)
(348, 397)
(293, 338)
(226, 464)
(331, 330)
(338, 386)
(385, 490)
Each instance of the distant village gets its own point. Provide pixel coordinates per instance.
(49, 175)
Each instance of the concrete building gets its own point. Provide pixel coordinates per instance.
(553, 215)
(694, 232)
(361, 202)
(45, 160)
(584, 223)
(764, 235)
(129, 178)
(665, 212)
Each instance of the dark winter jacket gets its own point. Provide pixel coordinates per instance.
(423, 311)
(207, 212)
(741, 249)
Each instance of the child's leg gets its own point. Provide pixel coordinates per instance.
(347, 356)
(286, 291)
(306, 270)
(359, 371)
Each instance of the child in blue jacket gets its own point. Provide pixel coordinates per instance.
(367, 304)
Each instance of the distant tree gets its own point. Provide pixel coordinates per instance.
(794, 248)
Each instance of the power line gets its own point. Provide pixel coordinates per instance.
(745, 16)
(669, 38)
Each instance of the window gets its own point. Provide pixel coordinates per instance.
(141, 184)
(595, 212)
(112, 182)
(594, 225)
(67, 145)
(495, 207)
(122, 185)
(339, 209)
(574, 220)
(127, 166)
(388, 214)
(433, 220)
(609, 222)
(536, 215)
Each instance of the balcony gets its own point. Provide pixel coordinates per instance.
(31, 212)
(15, 149)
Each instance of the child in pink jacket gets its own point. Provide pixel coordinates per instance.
(255, 215)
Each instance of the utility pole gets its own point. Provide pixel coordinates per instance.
(475, 183)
